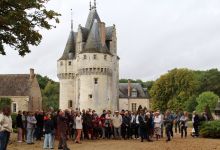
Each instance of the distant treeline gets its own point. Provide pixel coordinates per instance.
(179, 89)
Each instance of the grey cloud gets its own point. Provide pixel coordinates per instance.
(153, 36)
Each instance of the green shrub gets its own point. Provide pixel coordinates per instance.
(210, 129)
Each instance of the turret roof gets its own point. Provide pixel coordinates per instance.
(92, 16)
(69, 51)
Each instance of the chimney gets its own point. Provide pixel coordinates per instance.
(129, 88)
(32, 75)
(102, 33)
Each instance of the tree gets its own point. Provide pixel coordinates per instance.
(176, 85)
(206, 99)
(51, 96)
(20, 22)
(43, 81)
(209, 81)
(5, 102)
(190, 104)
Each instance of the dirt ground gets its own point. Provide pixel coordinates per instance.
(176, 144)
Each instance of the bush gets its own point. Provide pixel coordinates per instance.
(210, 129)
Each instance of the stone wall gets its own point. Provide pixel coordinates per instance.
(20, 101)
(126, 104)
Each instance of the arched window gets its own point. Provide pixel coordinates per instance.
(70, 104)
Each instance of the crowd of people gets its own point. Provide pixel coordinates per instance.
(87, 124)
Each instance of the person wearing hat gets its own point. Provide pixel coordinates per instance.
(117, 121)
(157, 124)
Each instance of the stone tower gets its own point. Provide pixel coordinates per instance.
(88, 70)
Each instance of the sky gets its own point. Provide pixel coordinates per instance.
(154, 36)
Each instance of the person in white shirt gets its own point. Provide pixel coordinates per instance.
(5, 127)
(117, 121)
(184, 124)
(157, 124)
(79, 122)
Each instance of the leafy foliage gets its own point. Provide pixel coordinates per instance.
(191, 104)
(210, 129)
(5, 102)
(206, 99)
(21, 21)
(173, 89)
(209, 81)
(50, 92)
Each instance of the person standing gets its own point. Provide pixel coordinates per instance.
(117, 121)
(39, 125)
(79, 126)
(184, 124)
(196, 121)
(62, 129)
(19, 124)
(142, 122)
(108, 125)
(148, 126)
(31, 123)
(5, 127)
(168, 121)
(157, 125)
(48, 129)
(24, 124)
(102, 118)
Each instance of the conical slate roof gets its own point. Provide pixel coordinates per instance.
(92, 16)
(93, 43)
(69, 51)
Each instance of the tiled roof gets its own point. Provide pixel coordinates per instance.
(14, 85)
(123, 90)
(92, 16)
(70, 47)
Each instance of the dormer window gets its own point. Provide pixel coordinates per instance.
(69, 63)
(134, 93)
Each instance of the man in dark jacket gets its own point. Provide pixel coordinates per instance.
(19, 124)
(168, 122)
(40, 124)
(62, 128)
(196, 122)
(142, 123)
(126, 123)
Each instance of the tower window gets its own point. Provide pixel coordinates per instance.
(94, 56)
(70, 104)
(61, 63)
(95, 80)
(90, 96)
(105, 57)
(84, 56)
(70, 63)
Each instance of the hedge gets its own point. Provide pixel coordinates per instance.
(210, 129)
